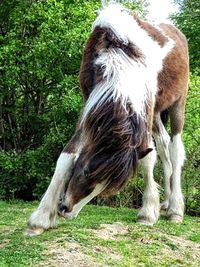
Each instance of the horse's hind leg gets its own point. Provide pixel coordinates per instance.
(149, 212)
(45, 215)
(162, 140)
(177, 155)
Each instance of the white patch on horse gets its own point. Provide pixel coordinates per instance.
(177, 152)
(149, 212)
(45, 216)
(77, 207)
(121, 75)
(177, 155)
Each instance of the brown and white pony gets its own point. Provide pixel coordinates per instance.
(131, 72)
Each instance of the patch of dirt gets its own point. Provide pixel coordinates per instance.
(69, 255)
(5, 230)
(4, 243)
(111, 231)
(185, 244)
(110, 252)
(175, 249)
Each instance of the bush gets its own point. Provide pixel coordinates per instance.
(40, 54)
(191, 136)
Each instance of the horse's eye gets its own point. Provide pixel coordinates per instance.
(86, 172)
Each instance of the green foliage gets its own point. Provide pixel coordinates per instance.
(43, 45)
(191, 137)
(188, 21)
(40, 53)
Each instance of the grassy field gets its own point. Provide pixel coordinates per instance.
(100, 236)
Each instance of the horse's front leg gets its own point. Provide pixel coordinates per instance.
(45, 216)
(149, 212)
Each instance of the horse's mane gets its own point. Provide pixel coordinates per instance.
(114, 135)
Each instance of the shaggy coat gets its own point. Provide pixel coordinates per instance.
(133, 74)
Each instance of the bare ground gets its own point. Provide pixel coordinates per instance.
(111, 231)
(71, 254)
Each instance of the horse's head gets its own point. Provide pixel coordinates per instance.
(109, 155)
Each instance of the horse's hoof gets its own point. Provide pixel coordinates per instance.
(174, 218)
(33, 232)
(145, 222)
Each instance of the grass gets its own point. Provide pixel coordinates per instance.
(165, 244)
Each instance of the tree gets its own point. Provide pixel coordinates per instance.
(188, 21)
(40, 54)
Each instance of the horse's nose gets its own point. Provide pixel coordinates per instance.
(63, 209)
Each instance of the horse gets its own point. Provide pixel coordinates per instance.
(132, 73)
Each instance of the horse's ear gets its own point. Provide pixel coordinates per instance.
(143, 153)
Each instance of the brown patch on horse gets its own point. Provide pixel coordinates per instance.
(153, 32)
(173, 79)
(130, 49)
(176, 112)
(86, 75)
